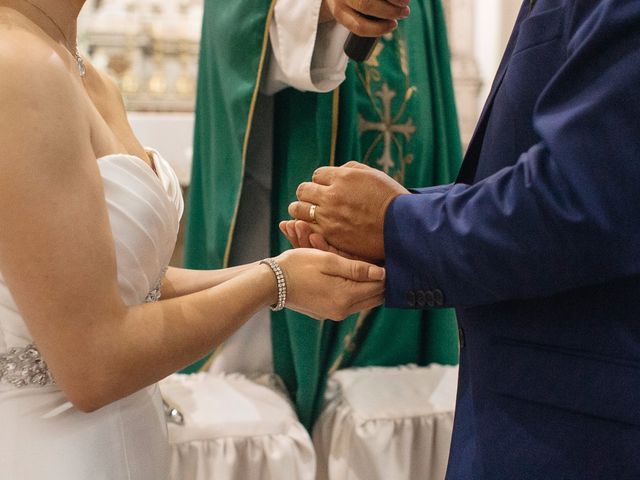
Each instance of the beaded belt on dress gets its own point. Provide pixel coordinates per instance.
(23, 366)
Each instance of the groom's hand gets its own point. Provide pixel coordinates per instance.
(350, 206)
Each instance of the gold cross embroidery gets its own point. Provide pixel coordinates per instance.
(387, 127)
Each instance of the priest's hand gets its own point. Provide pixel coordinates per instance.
(345, 207)
(367, 18)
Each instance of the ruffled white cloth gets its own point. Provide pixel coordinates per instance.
(42, 436)
(377, 423)
(386, 423)
(235, 428)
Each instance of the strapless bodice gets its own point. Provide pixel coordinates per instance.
(144, 210)
(43, 436)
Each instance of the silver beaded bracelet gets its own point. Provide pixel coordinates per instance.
(282, 284)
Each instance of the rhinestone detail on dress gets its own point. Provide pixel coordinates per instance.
(24, 366)
(154, 295)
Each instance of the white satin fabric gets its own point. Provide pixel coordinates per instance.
(235, 428)
(386, 423)
(42, 436)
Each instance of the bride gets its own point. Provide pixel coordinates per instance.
(88, 222)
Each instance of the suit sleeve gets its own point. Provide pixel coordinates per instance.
(565, 215)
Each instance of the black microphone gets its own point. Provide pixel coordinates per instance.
(359, 48)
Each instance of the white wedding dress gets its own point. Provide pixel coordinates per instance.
(42, 436)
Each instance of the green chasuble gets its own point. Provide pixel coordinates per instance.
(395, 112)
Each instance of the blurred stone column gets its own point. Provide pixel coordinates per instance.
(466, 76)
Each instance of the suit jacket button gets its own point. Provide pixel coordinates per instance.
(438, 297)
(430, 300)
(411, 299)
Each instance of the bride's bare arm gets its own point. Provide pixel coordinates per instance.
(57, 252)
(182, 281)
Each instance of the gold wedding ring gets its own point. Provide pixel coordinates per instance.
(312, 213)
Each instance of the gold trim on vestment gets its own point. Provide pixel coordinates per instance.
(335, 112)
(349, 342)
(247, 135)
(245, 147)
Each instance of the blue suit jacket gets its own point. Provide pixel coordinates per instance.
(538, 245)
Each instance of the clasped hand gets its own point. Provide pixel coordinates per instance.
(323, 285)
(348, 217)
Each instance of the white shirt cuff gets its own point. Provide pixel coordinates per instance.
(304, 55)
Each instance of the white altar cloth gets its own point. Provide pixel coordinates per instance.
(386, 424)
(235, 428)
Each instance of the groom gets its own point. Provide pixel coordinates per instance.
(537, 245)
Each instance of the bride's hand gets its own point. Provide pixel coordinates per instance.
(325, 285)
(300, 235)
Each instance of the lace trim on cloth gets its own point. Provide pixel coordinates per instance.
(24, 366)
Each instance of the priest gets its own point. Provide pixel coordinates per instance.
(277, 99)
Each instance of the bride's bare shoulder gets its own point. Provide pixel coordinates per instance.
(31, 67)
(37, 94)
